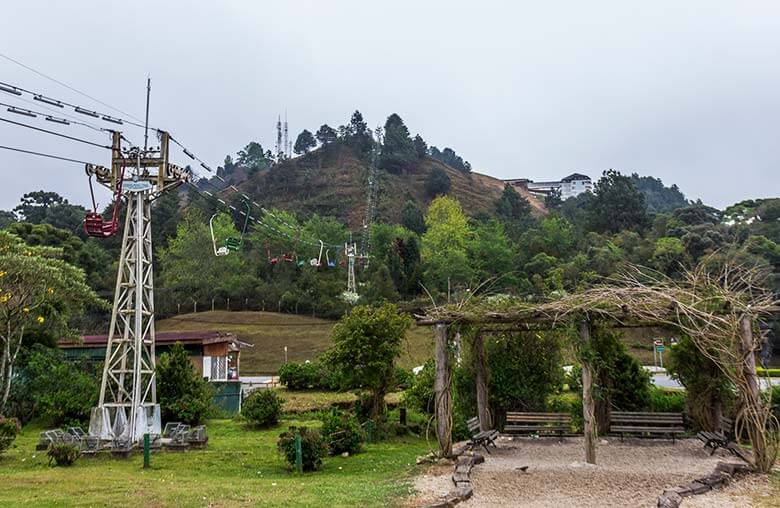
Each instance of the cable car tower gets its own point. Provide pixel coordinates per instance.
(128, 408)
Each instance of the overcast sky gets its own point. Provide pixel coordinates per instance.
(685, 91)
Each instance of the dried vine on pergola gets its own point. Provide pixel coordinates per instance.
(716, 310)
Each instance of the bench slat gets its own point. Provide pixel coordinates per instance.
(656, 430)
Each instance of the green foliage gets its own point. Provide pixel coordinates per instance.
(524, 370)
(659, 198)
(398, 149)
(9, 428)
(262, 408)
(342, 432)
(63, 454)
(708, 391)
(444, 245)
(420, 396)
(41, 207)
(313, 447)
(326, 134)
(412, 217)
(183, 394)
(366, 343)
(514, 211)
(402, 378)
(54, 390)
(616, 204)
(316, 375)
(304, 142)
(450, 158)
(666, 401)
(437, 183)
(253, 157)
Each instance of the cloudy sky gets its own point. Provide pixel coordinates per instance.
(685, 91)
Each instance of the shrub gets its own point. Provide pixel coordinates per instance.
(59, 392)
(9, 428)
(313, 447)
(262, 408)
(667, 401)
(403, 378)
(775, 401)
(298, 376)
(63, 454)
(184, 395)
(419, 396)
(342, 432)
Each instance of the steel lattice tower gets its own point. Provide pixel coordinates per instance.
(127, 408)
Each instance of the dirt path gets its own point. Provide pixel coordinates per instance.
(629, 474)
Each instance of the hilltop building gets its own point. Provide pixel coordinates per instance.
(569, 187)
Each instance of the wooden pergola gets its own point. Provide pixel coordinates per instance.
(618, 306)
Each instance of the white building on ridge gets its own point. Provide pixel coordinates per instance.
(569, 187)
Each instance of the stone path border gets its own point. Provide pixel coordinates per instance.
(724, 472)
(461, 477)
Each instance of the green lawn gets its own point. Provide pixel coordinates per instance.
(239, 468)
(304, 336)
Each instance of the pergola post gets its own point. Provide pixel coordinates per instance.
(588, 407)
(481, 380)
(754, 418)
(442, 391)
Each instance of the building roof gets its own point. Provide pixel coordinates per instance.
(161, 338)
(575, 176)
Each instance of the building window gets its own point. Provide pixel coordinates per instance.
(219, 368)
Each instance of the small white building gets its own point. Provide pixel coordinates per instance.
(569, 187)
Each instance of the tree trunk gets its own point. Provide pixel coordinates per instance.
(755, 411)
(442, 390)
(588, 409)
(481, 380)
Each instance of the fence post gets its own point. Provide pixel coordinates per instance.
(228, 304)
(178, 308)
(246, 303)
(370, 431)
(298, 454)
(212, 305)
(146, 451)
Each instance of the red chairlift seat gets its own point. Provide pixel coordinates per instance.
(94, 224)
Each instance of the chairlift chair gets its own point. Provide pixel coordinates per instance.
(331, 263)
(218, 251)
(317, 262)
(94, 225)
(234, 244)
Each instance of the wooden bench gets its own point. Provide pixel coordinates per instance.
(720, 438)
(481, 438)
(543, 424)
(646, 424)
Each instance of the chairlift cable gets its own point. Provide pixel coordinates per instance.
(31, 152)
(54, 133)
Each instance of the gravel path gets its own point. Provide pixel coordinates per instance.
(630, 474)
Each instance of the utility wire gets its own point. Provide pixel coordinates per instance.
(54, 133)
(17, 62)
(43, 154)
(76, 107)
(58, 116)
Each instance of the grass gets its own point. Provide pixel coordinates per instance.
(297, 402)
(304, 336)
(240, 467)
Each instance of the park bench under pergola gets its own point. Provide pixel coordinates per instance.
(718, 312)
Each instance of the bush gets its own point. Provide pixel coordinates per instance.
(419, 396)
(313, 447)
(775, 401)
(9, 428)
(667, 401)
(403, 378)
(57, 391)
(63, 454)
(310, 376)
(342, 432)
(262, 408)
(183, 394)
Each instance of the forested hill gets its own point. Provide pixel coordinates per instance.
(332, 181)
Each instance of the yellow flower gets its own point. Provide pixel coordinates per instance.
(2, 274)
(50, 290)
(26, 309)
(41, 319)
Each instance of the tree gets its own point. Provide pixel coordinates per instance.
(438, 183)
(398, 150)
(304, 142)
(6, 218)
(444, 255)
(253, 157)
(37, 290)
(658, 197)
(420, 146)
(491, 253)
(450, 158)
(412, 217)
(41, 207)
(366, 343)
(183, 394)
(326, 134)
(357, 135)
(514, 211)
(617, 205)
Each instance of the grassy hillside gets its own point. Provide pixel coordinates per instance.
(332, 181)
(305, 337)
